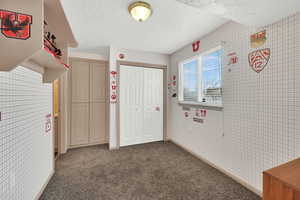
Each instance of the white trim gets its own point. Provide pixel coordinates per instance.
(237, 179)
(38, 196)
(200, 104)
(87, 145)
(211, 50)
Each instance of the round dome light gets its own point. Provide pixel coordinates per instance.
(140, 11)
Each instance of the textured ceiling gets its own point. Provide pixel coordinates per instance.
(248, 12)
(100, 23)
(97, 24)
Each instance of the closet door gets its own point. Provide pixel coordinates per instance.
(131, 105)
(97, 82)
(141, 105)
(80, 82)
(97, 123)
(153, 104)
(80, 103)
(97, 103)
(80, 124)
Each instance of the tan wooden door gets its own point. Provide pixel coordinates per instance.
(80, 124)
(88, 113)
(97, 103)
(80, 82)
(80, 103)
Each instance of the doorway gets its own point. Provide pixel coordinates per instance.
(56, 116)
(141, 104)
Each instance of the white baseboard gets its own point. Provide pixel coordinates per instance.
(86, 145)
(237, 179)
(38, 196)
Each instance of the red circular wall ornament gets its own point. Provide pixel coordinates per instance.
(196, 46)
(121, 56)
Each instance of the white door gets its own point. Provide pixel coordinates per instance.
(141, 105)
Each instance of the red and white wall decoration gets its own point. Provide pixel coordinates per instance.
(15, 25)
(48, 125)
(113, 85)
(186, 114)
(121, 56)
(196, 46)
(199, 115)
(259, 59)
(232, 58)
(258, 39)
(174, 86)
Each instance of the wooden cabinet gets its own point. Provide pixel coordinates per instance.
(97, 123)
(283, 182)
(97, 80)
(88, 113)
(80, 124)
(80, 81)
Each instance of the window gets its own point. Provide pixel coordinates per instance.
(200, 79)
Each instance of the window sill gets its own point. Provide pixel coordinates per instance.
(203, 104)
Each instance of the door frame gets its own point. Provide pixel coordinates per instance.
(165, 94)
(56, 126)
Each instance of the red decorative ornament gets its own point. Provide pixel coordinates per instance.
(233, 58)
(186, 114)
(121, 56)
(114, 97)
(259, 59)
(48, 126)
(196, 46)
(15, 25)
(203, 113)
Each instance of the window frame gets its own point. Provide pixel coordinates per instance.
(199, 79)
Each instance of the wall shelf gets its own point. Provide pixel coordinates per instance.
(53, 68)
(31, 53)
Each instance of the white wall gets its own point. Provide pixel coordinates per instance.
(261, 115)
(132, 56)
(85, 55)
(26, 151)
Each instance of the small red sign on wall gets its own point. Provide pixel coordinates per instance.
(48, 125)
(113, 83)
(198, 120)
(233, 58)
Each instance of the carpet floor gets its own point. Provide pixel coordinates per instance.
(155, 171)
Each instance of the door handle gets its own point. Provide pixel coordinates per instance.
(157, 108)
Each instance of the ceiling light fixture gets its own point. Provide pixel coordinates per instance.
(140, 11)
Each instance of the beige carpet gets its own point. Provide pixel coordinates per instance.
(155, 171)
